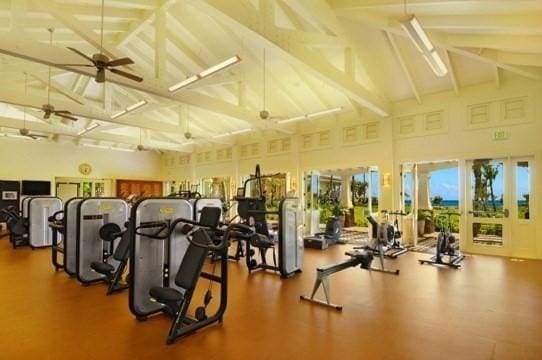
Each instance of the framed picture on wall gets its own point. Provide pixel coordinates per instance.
(9, 195)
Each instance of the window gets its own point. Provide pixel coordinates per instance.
(408, 190)
(523, 189)
(375, 190)
(487, 179)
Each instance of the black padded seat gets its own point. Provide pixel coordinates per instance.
(102, 268)
(261, 241)
(165, 295)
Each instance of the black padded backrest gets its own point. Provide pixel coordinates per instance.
(242, 209)
(374, 226)
(193, 260)
(17, 227)
(123, 248)
(210, 216)
(333, 228)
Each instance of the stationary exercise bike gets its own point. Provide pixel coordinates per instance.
(446, 246)
(394, 248)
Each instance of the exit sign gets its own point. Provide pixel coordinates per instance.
(500, 135)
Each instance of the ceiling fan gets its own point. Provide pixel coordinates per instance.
(49, 109)
(102, 62)
(187, 134)
(24, 131)
(264, 113)
(140, 146)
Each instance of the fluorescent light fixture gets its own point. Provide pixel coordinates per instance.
(242, 131)
(107, 147)
(224, 64)
(96, 146)
(205, 73)
(417, 35)
(295, 118)
(90, 128)
(192, 79)
(119, 114)
(130, 108)
(221, 135)
(311, 115)
(236, 132)
(324, 112)
(122, 149)
(15, 136)
(137, 105)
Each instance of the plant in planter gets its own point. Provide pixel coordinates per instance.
(423, 216)
(339, 212)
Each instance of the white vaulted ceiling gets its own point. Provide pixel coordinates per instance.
(320, 55)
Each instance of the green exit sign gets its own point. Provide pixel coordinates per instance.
(500, 135)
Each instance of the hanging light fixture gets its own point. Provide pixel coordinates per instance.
(423, 44)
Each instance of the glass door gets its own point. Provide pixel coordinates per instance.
(521, 214)
(488, 215)
(312, 203)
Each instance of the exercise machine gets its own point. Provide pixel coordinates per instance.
(70, 235)
(356, 257)
(17, 226)
(109, 233)
(323, 240)
(200, 203)
(177, 302)
(56, 223)
(40, 208)
(394, 247)
(380, 232)
(36, 211)
(153, 262)
(388, 234)
(92, 214)
(288, 236)
(446, 253)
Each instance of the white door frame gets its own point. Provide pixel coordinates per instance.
(515, 234)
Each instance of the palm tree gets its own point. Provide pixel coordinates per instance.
(479, 186)
(490, 173)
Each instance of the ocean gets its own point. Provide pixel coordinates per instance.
(455, 203)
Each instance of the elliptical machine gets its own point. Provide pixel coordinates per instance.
(446, 247)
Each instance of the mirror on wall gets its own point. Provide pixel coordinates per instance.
(216, 187)
(68, 187)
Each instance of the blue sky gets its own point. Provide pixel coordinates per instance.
(375, 181)
(445, 183)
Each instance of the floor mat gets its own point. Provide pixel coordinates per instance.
(427, 245)
(352, 237)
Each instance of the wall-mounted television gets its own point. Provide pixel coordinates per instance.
(30, 187)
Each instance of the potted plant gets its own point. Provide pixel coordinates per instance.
(422, 216)
(429, 222)
(339, 212)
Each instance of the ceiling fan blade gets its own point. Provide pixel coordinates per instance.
(85, 65)
(120, 62)
(81, 54)
(63, 112)
(47, 115)
(127, 75)
(39, 136)
(32, 136)
(66, 116)
(100, 76)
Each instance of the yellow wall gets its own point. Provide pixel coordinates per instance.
(37, 160)
(443, 129)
